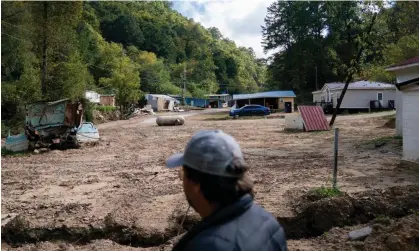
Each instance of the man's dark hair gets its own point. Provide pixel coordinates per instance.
(223, 190)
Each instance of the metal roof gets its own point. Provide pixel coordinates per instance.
(408, 62)
(165, 97)
(271, 94)
(359, 85)
(313, 118)
(221, 95)
(414, 81)
(48, 102)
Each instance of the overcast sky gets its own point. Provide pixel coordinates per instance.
(238, 20)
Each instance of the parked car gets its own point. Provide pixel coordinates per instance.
(250, 110)
(87, 132)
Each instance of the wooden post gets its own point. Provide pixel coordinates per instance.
(335, 158)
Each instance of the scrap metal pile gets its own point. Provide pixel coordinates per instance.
(53, 124)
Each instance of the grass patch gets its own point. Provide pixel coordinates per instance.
(215, 117)
(5, 152)
(393, 116)
(415, 212)
(326, 192)
(106, 108)
(381, 141)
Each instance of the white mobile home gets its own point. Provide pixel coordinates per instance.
(359, 95)
(407, 115)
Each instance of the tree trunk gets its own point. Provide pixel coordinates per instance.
(351, 71)
(44, 50)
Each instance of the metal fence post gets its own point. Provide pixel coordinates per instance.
(335, 158)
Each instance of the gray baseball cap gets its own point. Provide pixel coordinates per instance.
(209, 151)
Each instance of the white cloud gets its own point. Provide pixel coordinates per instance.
(238, 20)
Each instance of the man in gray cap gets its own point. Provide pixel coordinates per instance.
(217, 187)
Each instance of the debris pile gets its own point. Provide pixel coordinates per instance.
(53, 124)
(146, 110)
(177, 109)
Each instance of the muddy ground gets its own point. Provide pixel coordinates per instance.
(118, 195)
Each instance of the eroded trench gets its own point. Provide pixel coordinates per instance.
(313, 217)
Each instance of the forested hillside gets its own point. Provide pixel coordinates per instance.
(53, 50)
(323, 38)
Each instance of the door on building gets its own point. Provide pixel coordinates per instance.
(288, 107)
(214, 104)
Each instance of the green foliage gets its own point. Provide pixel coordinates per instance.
(320, 41)
(381, 141)
(54, 50)
(326, 192)
(106, 108)
(415, 212)
(125, 80)
(88, 110)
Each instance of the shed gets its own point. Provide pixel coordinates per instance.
(219, 100)
(407, 116)
(160, 102)
(92, 96)
(275, 100)
(108, 100)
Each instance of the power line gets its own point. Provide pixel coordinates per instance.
(2, 21)
(15, 37)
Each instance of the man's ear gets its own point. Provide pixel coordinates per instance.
(195, 187)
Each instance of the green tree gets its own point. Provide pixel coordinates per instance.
(318, 42)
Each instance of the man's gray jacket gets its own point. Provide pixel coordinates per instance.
(242, 226)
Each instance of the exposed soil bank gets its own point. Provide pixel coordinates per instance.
(313, 219)
(387, 234)
(17, 232)
(316, 217)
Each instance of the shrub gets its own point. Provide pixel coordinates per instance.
(105, 108)
(326, 192)
(87, 109)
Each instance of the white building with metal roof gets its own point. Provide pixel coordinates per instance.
(359, 95)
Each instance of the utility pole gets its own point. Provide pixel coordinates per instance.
(44, 50)
(184, 85)
(317, 87)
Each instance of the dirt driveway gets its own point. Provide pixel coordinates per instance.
(120, 190)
